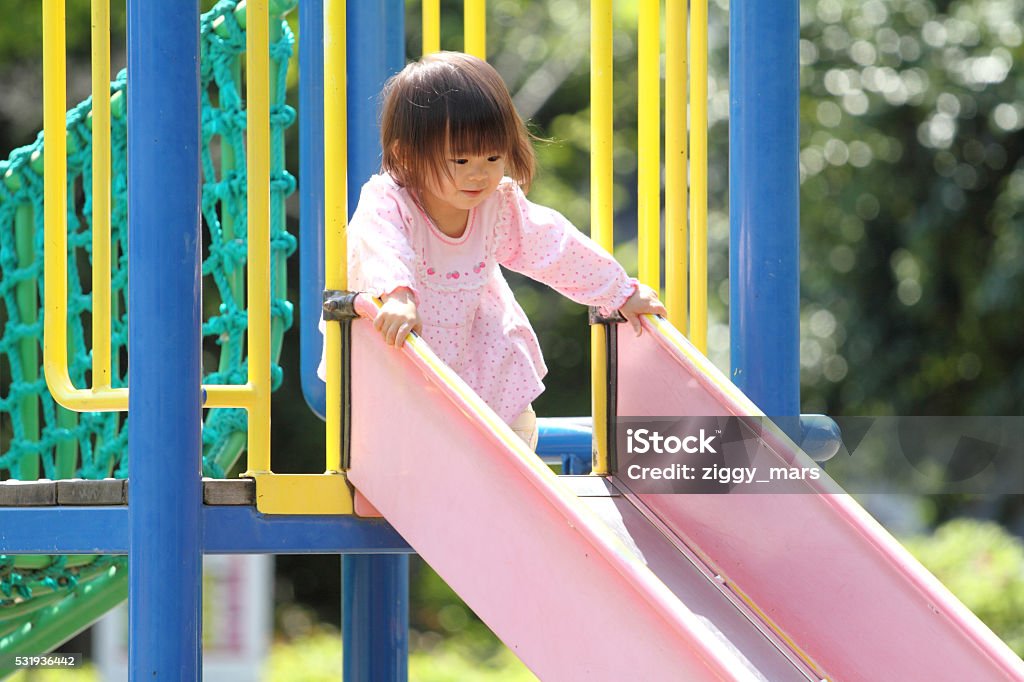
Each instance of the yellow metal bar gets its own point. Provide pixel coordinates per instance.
(55, 195)
(601, 213)
(675, 162)
(102, 398)
(475, 27)
(303, 494)
(336, 207)
(101, 193)
(224, 395)
(55, 343)
(116, 399)
(257, 65)
(431, 26)
(55, 191)
(699, 177)
(94, 400)
(649, 144)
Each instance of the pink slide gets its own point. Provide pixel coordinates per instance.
(813, 563)
(583, 579)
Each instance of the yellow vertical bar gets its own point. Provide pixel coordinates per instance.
(431, 26)
(699, 177)
(257, 66)
(675, 162)
(475, 27)
(101, 194)
(336, 207)
(601, 213)
(649, 144)
(55, 193)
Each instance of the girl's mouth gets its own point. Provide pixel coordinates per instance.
(472, 192)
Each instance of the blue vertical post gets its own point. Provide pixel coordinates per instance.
(376, 51)
(164, 440)
(375, 617)
(764, 205)
(311, 199)
(375, 589)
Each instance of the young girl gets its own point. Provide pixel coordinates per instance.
(431, 230)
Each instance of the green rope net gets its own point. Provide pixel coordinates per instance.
(38, 438)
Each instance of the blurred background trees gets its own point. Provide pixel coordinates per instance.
(912, 233)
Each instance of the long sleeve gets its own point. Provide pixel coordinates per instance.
(542, 244)
(380, 255)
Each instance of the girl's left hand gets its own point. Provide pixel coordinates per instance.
(643, 301)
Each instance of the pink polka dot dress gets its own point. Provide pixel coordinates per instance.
(470, 317)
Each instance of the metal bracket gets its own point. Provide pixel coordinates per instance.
(340, 305)
(596, 317)
(304, 494)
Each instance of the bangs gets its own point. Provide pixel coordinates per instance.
(471, 127)
(445, 105)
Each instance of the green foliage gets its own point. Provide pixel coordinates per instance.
(314, 658)
(983, 566)
(452, 662)
(911, 177)
(438, 614)
(912, 172)
(21, 32)
(318, 658)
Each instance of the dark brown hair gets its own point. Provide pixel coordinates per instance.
(450, 103)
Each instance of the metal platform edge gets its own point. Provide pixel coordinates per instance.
(80, 492)
(225, 529)
(78, 516)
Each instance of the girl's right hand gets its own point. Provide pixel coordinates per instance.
(644, 301)
(397, 317)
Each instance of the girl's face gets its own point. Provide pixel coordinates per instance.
(473, 179)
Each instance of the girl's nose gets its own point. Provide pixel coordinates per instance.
(478, 170)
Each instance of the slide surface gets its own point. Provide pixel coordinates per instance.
(584, 579)
(827, 576)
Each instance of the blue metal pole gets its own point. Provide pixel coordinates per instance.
(165, 568)
(376, 51)
(375, 591)
(375, 617)
(311, 199)
(764, 205)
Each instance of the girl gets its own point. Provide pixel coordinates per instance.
(431, 230)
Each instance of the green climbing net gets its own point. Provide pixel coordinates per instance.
(38, 438)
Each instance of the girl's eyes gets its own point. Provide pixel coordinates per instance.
(492, 159)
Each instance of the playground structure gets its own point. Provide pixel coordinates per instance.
(706, 587)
